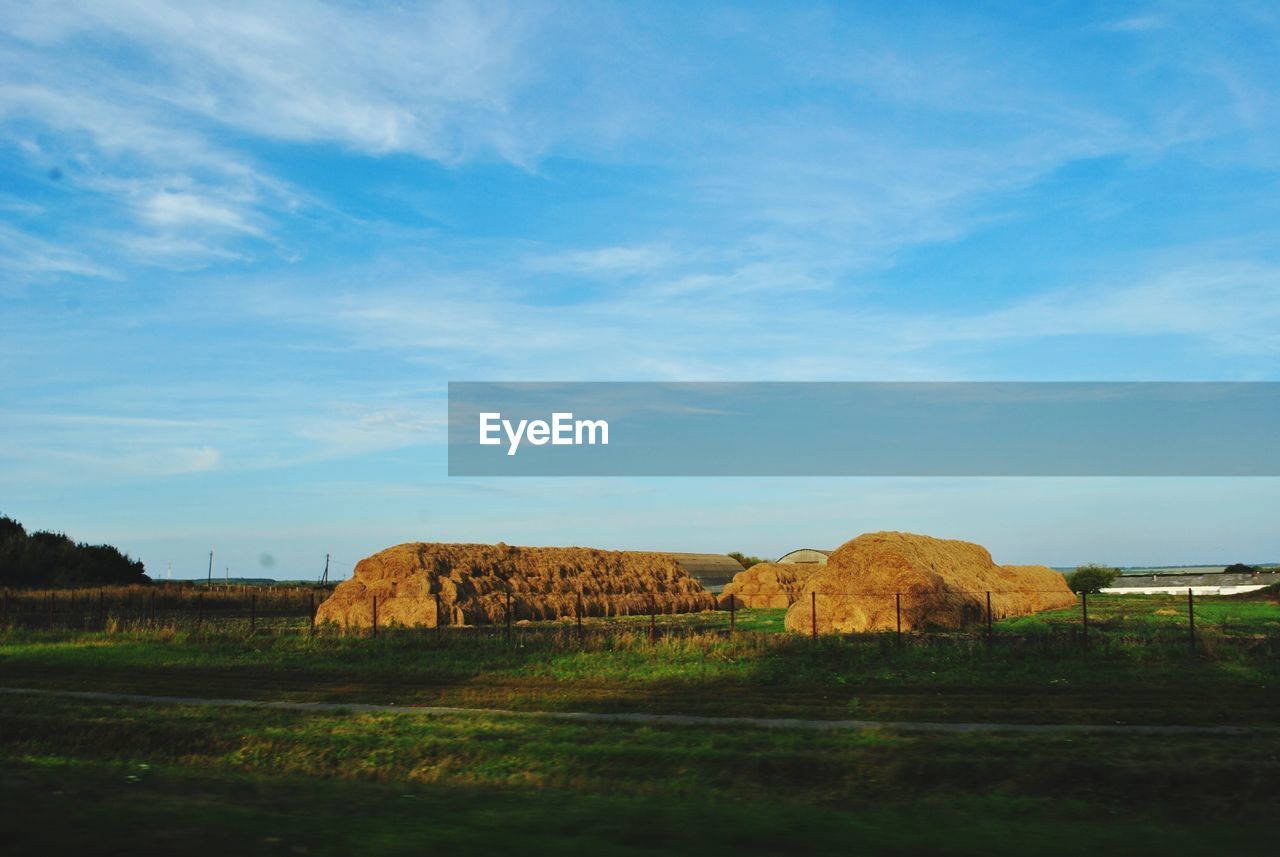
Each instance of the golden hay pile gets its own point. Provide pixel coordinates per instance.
(943, 583)
(767, 584)
(472, 582)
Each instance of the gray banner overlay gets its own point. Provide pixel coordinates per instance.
(864, 429)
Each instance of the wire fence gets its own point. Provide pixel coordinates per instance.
(264, 609)
(514, 616)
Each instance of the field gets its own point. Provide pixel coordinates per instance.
(157, 777)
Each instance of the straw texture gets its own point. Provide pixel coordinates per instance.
(473, 580)
(943, 583)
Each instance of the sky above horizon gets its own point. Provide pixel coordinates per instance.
(244, 247)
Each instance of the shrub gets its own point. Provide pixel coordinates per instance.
(1091, 578)
(1240, 568)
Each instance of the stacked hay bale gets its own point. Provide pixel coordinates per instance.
(767, 584)
(473, 581)
(943, 583)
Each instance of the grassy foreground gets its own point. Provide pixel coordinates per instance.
(206, 780)
(157, 779)
(1137, 668)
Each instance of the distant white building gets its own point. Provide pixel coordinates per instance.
(805, 556)
(1177, 583)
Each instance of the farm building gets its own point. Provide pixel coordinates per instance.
(712, 570)
(805, 556)
(430, 584)
(1200, 583)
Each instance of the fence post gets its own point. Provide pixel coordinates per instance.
(102, 616)
(653, 620)
(375, 616)
(508, 614)
(1084, 614)
(6, 608)
(1191, 621)
(51, 597)
(199, 609)
(579, 617)
(988, 617)
(897, 607)
(733, 618)
(253, 612)
(439, 616)
(813, 612)
(153, 608)
(311, 611)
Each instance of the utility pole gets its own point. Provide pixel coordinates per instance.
(324, 578)
(210, 580)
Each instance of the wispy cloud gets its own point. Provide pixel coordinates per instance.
(140, 103)
(1137, 24)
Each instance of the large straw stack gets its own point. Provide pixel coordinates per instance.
(472, 582)
(767, 584)
(942, 583)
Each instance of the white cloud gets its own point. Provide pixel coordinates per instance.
(24, 254)
(433, 79)
(621, 261)
(1233, 306)
(142, 101)
(1137, 24)
(172, 209)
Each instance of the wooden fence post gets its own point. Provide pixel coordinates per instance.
(253, 612)
(897, 606)
(988, 617)
(51, 598)
(653, 620)
(102, 615)
(375, 616)
(1191, 621)
(153, 608)
(508, 614)
(439, 615)
(1084, 615)
(199, 609)
(733, 618)
(311, 612)
(579, 618)
(813, 612)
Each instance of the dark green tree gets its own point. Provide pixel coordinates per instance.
(52, 559)
(1240, 568)
(1091, 578)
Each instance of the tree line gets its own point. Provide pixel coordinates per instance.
(43, 558)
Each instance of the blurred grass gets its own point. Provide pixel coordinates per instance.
(209, 780)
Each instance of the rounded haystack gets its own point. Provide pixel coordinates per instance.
(940, 583)
(471, 585)
(767, 584)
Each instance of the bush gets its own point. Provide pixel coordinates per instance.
(1091, 578)
(744, 560)
(1240, 568)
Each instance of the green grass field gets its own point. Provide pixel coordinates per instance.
(206, 780)
(200, 779)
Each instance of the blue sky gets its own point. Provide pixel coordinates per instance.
(243, 248)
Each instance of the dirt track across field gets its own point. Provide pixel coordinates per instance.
(645, 719)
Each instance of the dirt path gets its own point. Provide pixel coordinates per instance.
(645, 719)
